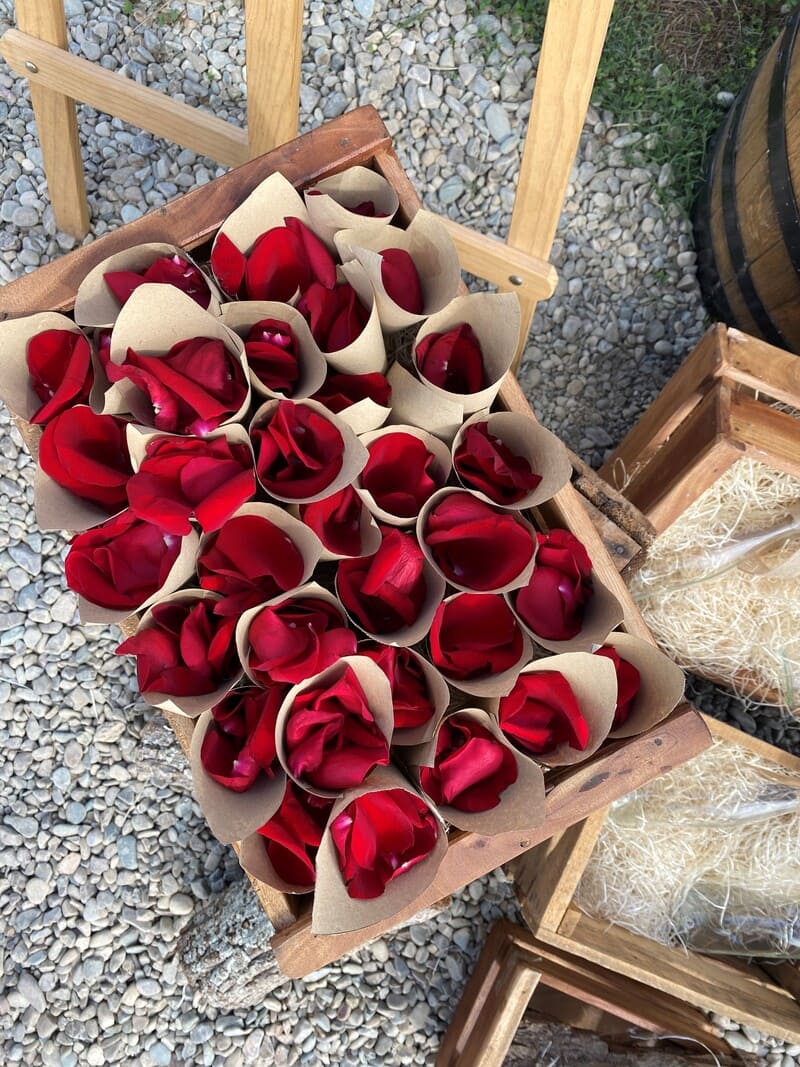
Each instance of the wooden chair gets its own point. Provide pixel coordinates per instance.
(571, 47)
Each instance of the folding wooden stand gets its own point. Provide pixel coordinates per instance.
(571, 47)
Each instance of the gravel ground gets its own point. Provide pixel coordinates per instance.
(100, 874)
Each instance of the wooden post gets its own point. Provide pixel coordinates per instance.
(56, 122)
(273, 40)
(573, 40)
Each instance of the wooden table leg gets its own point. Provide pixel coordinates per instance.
(273, 41)
(57, 123)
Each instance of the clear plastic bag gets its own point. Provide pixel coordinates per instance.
(721, 920)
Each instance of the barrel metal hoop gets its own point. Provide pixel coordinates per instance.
(780, 177)
(733, 233)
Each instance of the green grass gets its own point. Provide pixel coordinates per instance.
(702, 47)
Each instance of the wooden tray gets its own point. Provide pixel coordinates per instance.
(359, 137)
(547, 877)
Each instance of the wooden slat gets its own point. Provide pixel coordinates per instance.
(766, 434)
(620, 769)
(273, 36)
(194, 218)
(79, 79)
(494, 260)
(56, 120)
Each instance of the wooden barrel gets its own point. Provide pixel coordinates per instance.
(747, 218)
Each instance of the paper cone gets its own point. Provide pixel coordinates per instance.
(440, 469)
(596, 693)
(96, 305)
(415, 404)
(154, 319)
(494, 685)
(602, 613)
(369, 534)
(431, 248)
(15, 385)
(180, 573)
(272, 201)
(254, 860)
(379, 701)
(310, 589)
(439, 692)
(661, 683)
(544, 452)
(191, 706)
(422, 522)
(334, 911)
(243, 314)
(139, 436)
(521, 804)
(330, 211)
(368, 352)
(57, 508)
(354, 458)
(364, 416)
(232, 816)
(101, 384)
(495, 318)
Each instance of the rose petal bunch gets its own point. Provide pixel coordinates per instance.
(471, 769)
(239, 744)
(166, 270)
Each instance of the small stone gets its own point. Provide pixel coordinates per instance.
(496, 119)
(36, 890)
(365, 8)
(130, 213)
(76, 812)
(126, 850)
(724, 98)
(110, 732)
(738, 1040)
(28, 989)
(571, 328)
(628, 140)
(181, 904)
(148, 987)
(25, 217)
(160, 1054)
(380, 951)
(450, 190)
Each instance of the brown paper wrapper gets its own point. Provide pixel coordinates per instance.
(414, 404)
(369, 533)
(265, 208)
(331, 210)
(521, 804)
(182, 571)
(368, 352)
(596, 692)
(495, 318)
(253, 858)
(57, 508)
(364, 416)
(410, 635)
(661, 683)
(379, 700)
(15, 386)
(441, 469)
(154, 319)
(354, 458)
(232, 816)
(310, 589)
(434, 254)
(495, 685)
(603, 612)
(422, 521)
(243, 314)
(96, 305)
(543, 450)
(334, 911)
(191, 706)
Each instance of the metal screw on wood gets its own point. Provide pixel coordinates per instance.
(515, 279)
(31, 67)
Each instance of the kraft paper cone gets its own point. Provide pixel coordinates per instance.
(330, 201)
(544, 452)
(379, 701)
(440, 469)
(370, 535)
(661, 683)
(495, 318)
(57, 508)
(368, 352)
(422, 522)
(439, 692)
(334, 911)
(596, 693)
(15, 385)
(431, 248)
(272, 201)
(190, 706)
(232, 816)
(602, 613)
(180, 573)
(493, 685)
(310, 589)
(96, 305)
(254, 860)
(154, 319)
(415, 404)
(521, 804)
(244, 314)
(354, 457)
(409, 635)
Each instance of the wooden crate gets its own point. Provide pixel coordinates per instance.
(359, 137)
(716, 409)
(546, 879)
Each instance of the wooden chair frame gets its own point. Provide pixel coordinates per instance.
(573, 39)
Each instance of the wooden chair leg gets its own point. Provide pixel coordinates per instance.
(273, 41)
(57, 123)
